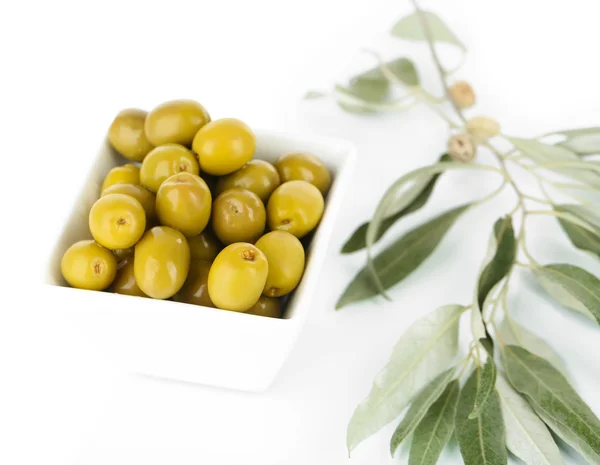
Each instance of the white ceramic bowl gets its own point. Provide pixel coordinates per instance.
(192, 343)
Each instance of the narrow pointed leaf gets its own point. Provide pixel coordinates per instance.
(410, 28)
(526, 435)
(553, 398)
(514, 334)
(543, 153)
(403, 68)
(401, 258)
(486, 382)
(481, 439)
(581, 237)
(426, 349)
(585, 141)
(501, 259)
(588, 215)
(435, 429)
(419, 408)
(572, 287)
(409, 201)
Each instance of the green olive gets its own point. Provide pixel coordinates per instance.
(117, 221)
(238, 215)
(296, 207)
(195, 289)
(302, 166)
(204, 246)
(126, 134)
(257, 176)
(125, 282)
(266, 306)
(141, 194)
(237, 277)
(285, 255)
(88, 265)
(224, 145)
(165, 161)
(126, 174)
(161, 262)
(183, 202)
(175, 122)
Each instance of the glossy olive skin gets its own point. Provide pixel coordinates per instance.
(195, 289)
(126, 134)
(258, 176)
(204, 246)
(141, 194)
(302, 166)
(175, 122)
(238, 215)
(285, 255)
(224, 146)
(184, 202)
(117, 221)
(123, 254)
(88, 265)
(237, 277)
(165, 161)
(266, 306)
(296, 207)
(125, 282)
(161, 262)
(126, 174)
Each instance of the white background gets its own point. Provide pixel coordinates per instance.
(68, 66)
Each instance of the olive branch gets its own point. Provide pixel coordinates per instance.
(516, 389)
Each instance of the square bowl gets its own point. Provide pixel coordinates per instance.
(186, 342)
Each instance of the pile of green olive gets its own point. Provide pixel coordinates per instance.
(193, 217)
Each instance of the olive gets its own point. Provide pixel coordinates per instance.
(176, 122)
(237, 277)
(125, 282)
(302, 166)
(257, 176)
(183, 202)
(285, 255)
(296, 207)
(224, 145)
(204, 246)
(238, 215)
(117, 221)
(141, 194)
(161, 262)
(126, 174)
(88, 265)
(126, 134)
(195, 288)
(266, 306)
(165, 161)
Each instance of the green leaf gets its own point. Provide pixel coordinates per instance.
(419, 408)
(526, 435)
(435, 429)
(502, 251)
(481, 439)
(401, 258)
(411, 28)
(426, 349)
(588, 215)
(581, 237)
(403, 68)
(486, 382)
(572, 287)
(585, 141)
(314, 94)
(553, 398)
(514, 334)
(543, 153)
(411, 200)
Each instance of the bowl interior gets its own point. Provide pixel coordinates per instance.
(337, 155)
